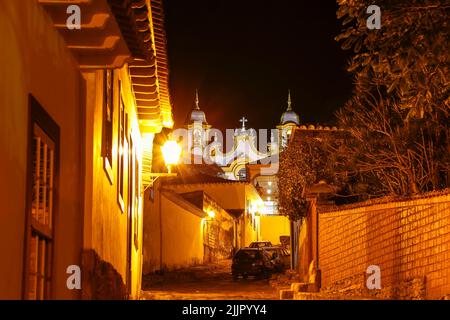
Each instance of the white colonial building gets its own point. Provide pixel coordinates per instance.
(236, 148)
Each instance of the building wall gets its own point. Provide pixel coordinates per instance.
(34, 60)
(172, 232)
(408, 240)
(106, 234)
(234, 195)
(228, 195)
(306, 246)
(218, 232)
(252, 217)
(274, 226)
(182, 236)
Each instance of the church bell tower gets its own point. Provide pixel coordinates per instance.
(289, 120)
(197, 129)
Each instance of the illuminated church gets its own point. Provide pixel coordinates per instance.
(198, 128)
(289, 120)
(208, 144)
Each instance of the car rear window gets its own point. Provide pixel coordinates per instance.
(260, 244)
(248, 255)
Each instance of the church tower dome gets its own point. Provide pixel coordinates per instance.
(289, 116)
(198, 129)
(197, 115)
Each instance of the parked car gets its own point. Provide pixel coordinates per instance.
(280, 257)
(252, 262)
(260, 244)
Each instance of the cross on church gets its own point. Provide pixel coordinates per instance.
(243, 120)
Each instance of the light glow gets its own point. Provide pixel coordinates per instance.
(171, 152)
(211, 214)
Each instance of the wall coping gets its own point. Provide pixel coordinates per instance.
(183, 203)
(389, 201)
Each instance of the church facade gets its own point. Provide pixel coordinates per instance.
(208, 145)
(243, 154)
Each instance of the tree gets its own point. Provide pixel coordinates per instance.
(407, 59)
(309, 158)
(398, 117)
(399, 113)
(398, 159)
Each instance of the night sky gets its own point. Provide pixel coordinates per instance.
(243, 55)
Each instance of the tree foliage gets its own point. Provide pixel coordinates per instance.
(398, 118)
(306, 161)
(399, 113)
(407, 59)
(394, 157)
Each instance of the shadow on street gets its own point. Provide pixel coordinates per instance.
(205, 282)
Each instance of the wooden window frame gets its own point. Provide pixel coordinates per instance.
(136, 199)
(39, 118)
(108, 126)
(121, 149)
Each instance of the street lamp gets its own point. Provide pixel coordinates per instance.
(211, 214)
(171, 152)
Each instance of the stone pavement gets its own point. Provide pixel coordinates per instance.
(205, 282)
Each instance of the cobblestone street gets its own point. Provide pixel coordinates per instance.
(206, 282)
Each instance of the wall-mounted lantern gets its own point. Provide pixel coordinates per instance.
(171, 152)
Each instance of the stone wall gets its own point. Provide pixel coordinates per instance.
(408, 239)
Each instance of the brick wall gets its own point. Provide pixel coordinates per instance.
(408, 239)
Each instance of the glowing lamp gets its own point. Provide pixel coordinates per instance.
(171, 152)
(211, 214)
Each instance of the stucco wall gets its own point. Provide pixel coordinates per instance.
(234, 195)
(105, 223)
(173, 232)
(305, 248)
(228, 195)
(34, 60)
(251, 230)
(182, 236)
(272, 227)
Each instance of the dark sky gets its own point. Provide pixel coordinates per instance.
(243, 55)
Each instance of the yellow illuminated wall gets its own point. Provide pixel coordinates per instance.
(173, 232)
(274, 226)
(104, 216)
(233, 195)
(34, 60)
